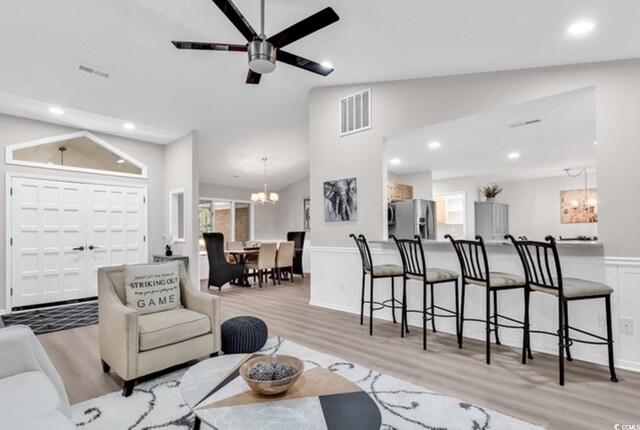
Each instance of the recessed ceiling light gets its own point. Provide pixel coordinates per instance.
(514, 155)
(129, 126)
(56, 110)
(595, 143)
(120, 161)
(394, 161)
(327, 64)
(582, 27)
(434, 145)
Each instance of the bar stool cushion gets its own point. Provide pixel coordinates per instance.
(437, 275)
(500, 280)
(387, 270)
(574, 288)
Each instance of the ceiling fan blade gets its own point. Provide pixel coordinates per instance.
(253, 77)
(302, 63)
(304, 28)
(203, 46)
(237, 19)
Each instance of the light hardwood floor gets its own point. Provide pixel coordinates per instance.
(588, 401)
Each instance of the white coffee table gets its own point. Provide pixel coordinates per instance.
(319, 400)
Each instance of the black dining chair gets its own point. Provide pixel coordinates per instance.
(474, 265)
(415, 268)
(220, 270)
(543, 272)
(375, 272)
(297, 237)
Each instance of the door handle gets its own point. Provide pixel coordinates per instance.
(80, 248)
(91, 247)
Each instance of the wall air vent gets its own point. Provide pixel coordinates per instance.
(93, 71)
(355, 113)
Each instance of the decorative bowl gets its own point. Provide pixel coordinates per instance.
(270, 388)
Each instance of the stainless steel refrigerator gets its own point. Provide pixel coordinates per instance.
(414, 217)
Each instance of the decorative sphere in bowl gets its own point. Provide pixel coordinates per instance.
(283, 365)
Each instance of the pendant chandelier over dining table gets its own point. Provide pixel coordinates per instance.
(265, 196)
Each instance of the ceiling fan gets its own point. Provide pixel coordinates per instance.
(263, 52)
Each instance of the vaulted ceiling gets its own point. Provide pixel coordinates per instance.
(158, 87)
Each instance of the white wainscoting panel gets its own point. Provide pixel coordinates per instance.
(337, 281)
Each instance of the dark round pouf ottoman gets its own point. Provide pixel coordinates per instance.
(243, 335)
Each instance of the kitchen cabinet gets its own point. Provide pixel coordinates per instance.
(492, 220)
(399, 192)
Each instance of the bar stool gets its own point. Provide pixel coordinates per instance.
(472, 256)
(415, 268)
(375, 272)
(537, 268)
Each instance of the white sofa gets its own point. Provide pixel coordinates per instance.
(32, 395)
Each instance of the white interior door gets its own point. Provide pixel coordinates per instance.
(48, 230)
(62, 232)
(116, 229)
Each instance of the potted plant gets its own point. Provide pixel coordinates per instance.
(491, 191)
(168, 243)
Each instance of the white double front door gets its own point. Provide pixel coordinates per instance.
(62, 232)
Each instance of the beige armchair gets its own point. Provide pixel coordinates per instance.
(135, 345)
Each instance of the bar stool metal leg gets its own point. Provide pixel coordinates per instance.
(525, 334)
(362, 300)
(371, 306)
(433, 310)
(461, 337)
(495, 316)
(393, 301)
(403, 322)
(561, 341)
(566, 330)
(457, 313)
(488, 325)
(612, 369)
(424, 316)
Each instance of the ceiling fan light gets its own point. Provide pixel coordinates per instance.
(262, 57)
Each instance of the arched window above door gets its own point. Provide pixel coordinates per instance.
(80, 152)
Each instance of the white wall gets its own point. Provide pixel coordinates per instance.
(534, 207)
(433, 100)
(181, 172)
(17, 130)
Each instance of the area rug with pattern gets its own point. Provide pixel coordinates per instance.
(158, 404)
(47, 320)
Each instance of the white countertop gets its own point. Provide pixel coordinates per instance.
(560, 243)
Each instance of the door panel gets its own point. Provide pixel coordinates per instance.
(51, 218)
(47, 223)
(116, 221)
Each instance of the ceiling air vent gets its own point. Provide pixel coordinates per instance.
(523, 123)
(93, 71)
(355, 113)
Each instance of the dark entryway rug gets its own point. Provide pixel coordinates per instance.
(48, 320)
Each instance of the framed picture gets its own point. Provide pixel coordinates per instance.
(579, 206)
(341, 200)
(306, 212)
